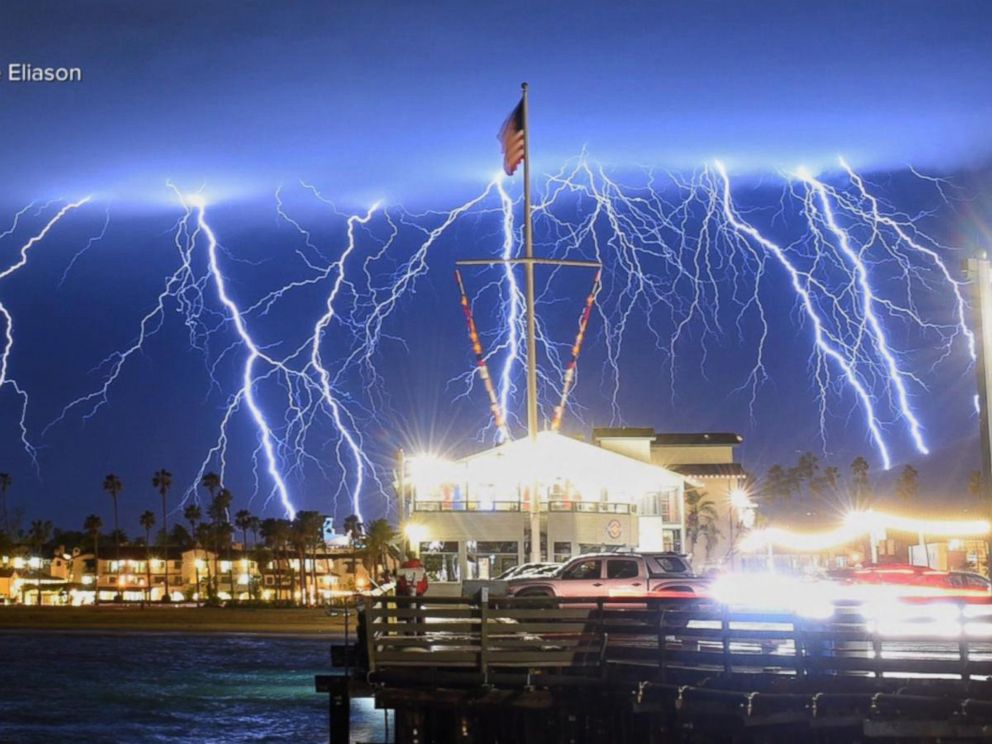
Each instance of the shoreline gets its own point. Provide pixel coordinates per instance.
(300, 623)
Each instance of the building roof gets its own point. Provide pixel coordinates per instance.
(710, 470)
(108, 552)
(623, 432)
(555, 456)
(702, 438)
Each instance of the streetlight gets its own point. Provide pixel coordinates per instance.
(741, 503)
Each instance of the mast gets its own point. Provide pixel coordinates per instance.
(532, 425)
(529, 261)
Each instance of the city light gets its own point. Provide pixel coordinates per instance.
(857, 525)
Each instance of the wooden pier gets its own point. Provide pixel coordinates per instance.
(614, 670)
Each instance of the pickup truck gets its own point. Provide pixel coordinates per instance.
(614, 575)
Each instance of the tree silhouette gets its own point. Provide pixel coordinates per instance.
(112, 485)
(147, 520)
(193, 515)
(40, 533)
(5, 483)
(908, 484)
(93, 524)
(862, 483)
(162, 481)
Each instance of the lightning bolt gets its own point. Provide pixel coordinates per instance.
(247, 391)
(683, 257)
(325, 377)
(8, 320)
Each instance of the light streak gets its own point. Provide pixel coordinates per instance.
(859, 524)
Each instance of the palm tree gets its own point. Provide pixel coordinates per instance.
(204, 536)
(275, 533)
(908, 484)
(147, 520)
(211, 481)
(700, 515)
(862, 485)
(93, 524)
(711, 536)
(5, 482)
(219, 511)
(193, 515)
(243, 521)
(975, 483)
(112, 485)
(380, 544)
(776, 485)
(223, 532)
(305, 532)
(41, 533)
(162, 480)
(314, 529)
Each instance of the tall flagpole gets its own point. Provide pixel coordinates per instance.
(532, 425)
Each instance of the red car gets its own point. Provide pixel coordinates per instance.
(905, 574)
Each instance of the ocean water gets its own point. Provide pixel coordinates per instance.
(167, 688)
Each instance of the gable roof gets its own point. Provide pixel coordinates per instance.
(701, 438)
(555, 456)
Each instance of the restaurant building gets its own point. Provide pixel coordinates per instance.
(470, 518)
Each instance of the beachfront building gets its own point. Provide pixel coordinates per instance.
(708, 462)
(31, 580)
(470, 518)
(140, 575)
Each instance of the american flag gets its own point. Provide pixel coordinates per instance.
(511, 137)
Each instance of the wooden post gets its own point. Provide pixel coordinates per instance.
(484, 634)
(725, 626)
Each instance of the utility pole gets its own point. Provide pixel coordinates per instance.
(980, 273)
(529, 261)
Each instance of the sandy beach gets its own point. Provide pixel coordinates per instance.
(159, 619)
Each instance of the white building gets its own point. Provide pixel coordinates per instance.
(470, 518)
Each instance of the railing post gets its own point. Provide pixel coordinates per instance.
(964, 654)
(484, 634)
(661, 644)
(725, 627)
(369, 614)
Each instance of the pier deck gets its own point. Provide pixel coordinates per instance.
(576, 670)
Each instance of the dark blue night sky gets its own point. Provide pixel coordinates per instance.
(401, 102)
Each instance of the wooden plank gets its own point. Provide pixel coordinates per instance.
(422, 628)
(551, 627)
(428, 658)
(424, 612)
(422, 642)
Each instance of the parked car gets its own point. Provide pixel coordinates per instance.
(614, 575)
(971, 581)
(904, 574)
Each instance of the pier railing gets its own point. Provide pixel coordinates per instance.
(516, 640)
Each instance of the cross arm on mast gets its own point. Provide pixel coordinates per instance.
(533, 261)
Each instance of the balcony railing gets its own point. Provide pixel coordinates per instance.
(467, 506)
(589, 507)
(555, 505)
